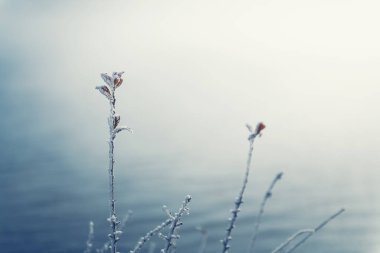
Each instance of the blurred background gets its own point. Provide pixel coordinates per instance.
(196, 72)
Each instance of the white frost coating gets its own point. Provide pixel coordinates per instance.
(113, 120)
(119, 129)
(107, 79)
(148, 235)
(239, 199)
(176, 223)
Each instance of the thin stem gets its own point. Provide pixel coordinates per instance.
(308, 232)
(239, 199)
(267, 196)
(108, 91)
(292, 238)
(320, 226)
(176, 223)
(204, 233)
(113, 217)
(148, 235)
(90, 239)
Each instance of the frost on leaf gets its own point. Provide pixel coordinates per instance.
(105, 91)
(116, 120)
(249, 127)
(117, 80)
(119, 129)
(107, 79)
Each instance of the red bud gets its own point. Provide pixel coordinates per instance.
(259, 127)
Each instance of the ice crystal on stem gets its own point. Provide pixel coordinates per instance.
(239, 199)
(108, 91)
(173, 235)
(148, 235)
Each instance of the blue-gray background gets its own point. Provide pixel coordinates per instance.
(196, 72)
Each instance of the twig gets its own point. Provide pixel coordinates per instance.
(148, 235)
(267, 196)
(125, 220)
(204, 233)
(90, 239)
(239, 199)
(292, 238)
(106, 246)
(172, 235)
(309, 233)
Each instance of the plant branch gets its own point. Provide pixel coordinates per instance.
(308, 232)
(267, 196)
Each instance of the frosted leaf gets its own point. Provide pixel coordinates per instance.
(119, 129)
(117, 74)
(105, 91)
(249, 127)
(116, 120)
(117, 80)
(107, 79)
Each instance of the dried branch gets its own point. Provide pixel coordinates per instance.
(308, 232)
(173, 235)
(239, 199)
(267, 196)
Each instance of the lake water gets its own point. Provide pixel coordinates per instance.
(53, 184)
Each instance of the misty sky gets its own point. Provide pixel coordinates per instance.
(309, 69)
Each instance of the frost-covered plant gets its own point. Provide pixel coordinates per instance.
(149, 235)
(304, 234)
(173, 235)
(174, 221)
(267, 196)
(239, 200)
(108, 90)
